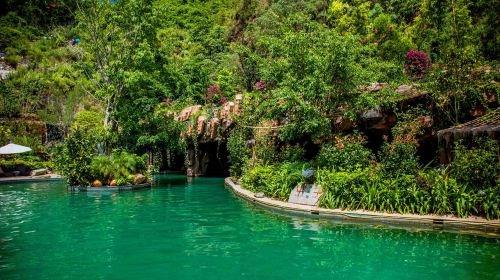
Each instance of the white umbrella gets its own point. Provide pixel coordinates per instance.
(13, 149)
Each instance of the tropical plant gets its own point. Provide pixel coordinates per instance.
(489, 202)
(399, 156)
(348, 153)
(238, 151)
(428, 192)
(275, 181)
(119, 166)
(478, 167)
(74, 157)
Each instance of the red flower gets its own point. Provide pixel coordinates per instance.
(214, 94)
(417, 63)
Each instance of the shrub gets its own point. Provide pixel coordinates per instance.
(29, 162)
(392, 44)
(478, 167)
(275, 181)
(417, 63)
(428, 192)
(119, 166)
(348, 153)
(258, 178)
(238, 153)
(10, 104)
(90, 122)
(5, 135)
(289, 153)
(73, 158)
(264, 85)
(266, 148)
(215, 95)
(399, 156)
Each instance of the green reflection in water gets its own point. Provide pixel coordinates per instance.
(197, 229)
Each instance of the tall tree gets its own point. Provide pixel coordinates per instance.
(113, 35)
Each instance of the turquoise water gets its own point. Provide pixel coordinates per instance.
(200, 230)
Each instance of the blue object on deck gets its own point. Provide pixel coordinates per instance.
(308, 173)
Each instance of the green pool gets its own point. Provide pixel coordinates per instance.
(198, 229)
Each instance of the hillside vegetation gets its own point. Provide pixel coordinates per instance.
(315, 72)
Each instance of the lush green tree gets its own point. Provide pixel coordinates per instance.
(302, 65)
(486, 21)
(73, 158)
(116, 40)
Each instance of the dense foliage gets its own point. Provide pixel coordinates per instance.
(274, 180)
(428, 192)
(476, 168)
(119, 166)
(347, 154)
(238, 154)
(74, 158)
(27, 163)
(320, 85)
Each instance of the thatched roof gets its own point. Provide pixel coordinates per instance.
(487, 125)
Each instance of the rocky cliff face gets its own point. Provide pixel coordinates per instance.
(206, 136)
(208, 128)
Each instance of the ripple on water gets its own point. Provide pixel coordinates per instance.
(198, 229)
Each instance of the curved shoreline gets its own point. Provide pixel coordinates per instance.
(443, 222)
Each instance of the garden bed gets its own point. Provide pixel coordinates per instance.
(433, 221)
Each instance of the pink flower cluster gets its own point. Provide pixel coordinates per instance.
(212, 91)
(215, 95)
(417, 63)
(264, 85)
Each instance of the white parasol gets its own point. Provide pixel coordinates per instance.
(13, 149)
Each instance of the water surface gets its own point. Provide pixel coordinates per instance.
(197, 229)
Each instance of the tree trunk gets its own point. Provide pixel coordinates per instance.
(109, 110)
(109, 124)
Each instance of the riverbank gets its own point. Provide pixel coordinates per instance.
(434, 221)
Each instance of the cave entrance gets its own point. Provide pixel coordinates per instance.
(208, 159)
(214, 159)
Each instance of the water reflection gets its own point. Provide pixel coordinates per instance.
(301, 224)
(198, 229)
